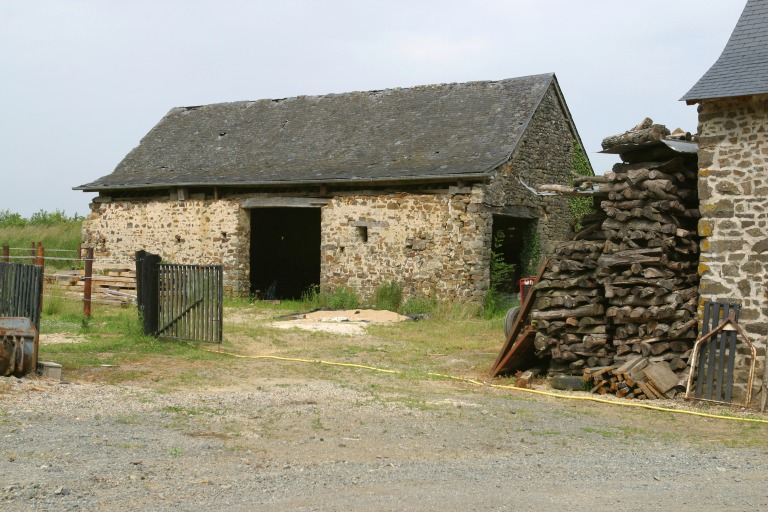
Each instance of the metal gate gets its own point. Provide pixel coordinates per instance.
(184, 302)
(21, 291)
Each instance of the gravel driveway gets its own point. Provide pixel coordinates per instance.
(318, 445)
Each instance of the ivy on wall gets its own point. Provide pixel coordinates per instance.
(531, 255)
(580, 205)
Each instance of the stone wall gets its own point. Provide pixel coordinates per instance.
(435, 245)
(733, 190)
(544, 155)
(193, 231)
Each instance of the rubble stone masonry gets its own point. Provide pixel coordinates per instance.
(434, 242)
(733, 190)
(434, 245)
(203, 232)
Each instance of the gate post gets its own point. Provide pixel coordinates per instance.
(88, 284)
(147, 290)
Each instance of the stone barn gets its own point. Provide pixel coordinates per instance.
(411, 185)
(733, 174)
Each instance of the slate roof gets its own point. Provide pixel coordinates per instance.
(433, 132)
(742, 68)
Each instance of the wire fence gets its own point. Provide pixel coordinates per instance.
(80, 283)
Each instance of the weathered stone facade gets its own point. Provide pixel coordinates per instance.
(733, 190)
(435, 245)
(414, 203)
(544, 155)
(192, 232)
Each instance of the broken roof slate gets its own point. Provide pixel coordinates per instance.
(742, 68)
(404, 134)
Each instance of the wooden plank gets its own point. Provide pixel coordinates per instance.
(661, 376)
(647, 392)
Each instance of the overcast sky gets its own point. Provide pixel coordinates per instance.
(84, 80)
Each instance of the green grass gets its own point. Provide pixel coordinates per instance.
(55, 231)
(113, 337)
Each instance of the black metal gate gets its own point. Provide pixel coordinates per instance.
(184, 302)
(21, 291)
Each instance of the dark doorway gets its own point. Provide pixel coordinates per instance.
(285, 251)
(509, 238)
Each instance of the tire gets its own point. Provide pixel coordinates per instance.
(509, 320)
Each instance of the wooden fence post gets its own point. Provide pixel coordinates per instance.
(6, 253)
(147, 291)
(87, 289)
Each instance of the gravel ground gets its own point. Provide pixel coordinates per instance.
(316, 445)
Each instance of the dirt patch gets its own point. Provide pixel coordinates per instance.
(351, 322)
(54, 338)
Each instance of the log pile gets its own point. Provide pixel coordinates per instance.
(622, 295)
(637, 377)
(649, 263)
(569, 312)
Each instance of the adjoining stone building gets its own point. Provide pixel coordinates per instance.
(358, 189)
(733, 174)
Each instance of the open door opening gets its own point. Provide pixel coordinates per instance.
(509, 234)
(285, 252)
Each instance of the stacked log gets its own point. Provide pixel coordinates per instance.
(569, 312)
(623, 294)
(635, 378)
(649, 263)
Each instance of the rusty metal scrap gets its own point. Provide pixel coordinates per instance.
(18, 346)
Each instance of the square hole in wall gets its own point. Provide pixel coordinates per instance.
(362, 233)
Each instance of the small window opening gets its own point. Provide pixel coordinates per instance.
(362, 233)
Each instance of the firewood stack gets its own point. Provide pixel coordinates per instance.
(569, 312)
(626, 288)
(649, 262)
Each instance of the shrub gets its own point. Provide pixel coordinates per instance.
(342, 297)
(389, 296)
(419, 305)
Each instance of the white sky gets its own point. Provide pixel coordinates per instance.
(82, 81)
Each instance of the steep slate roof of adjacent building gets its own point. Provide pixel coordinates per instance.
(433, 132)
(742, 68)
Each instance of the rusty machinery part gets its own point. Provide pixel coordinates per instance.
(18, 346)
(509, 319)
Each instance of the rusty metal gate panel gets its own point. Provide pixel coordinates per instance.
(190, 302)
(21, 291)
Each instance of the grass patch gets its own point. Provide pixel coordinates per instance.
(341, 297)
(55, 230)
(389, 296)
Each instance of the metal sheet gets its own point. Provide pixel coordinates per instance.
(678, 146)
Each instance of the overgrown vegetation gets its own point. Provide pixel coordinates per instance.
(389, 296)
(531, 256)
(10, 219)
(341, 297)
(497, 299)
(580, 205)
(55, 230)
